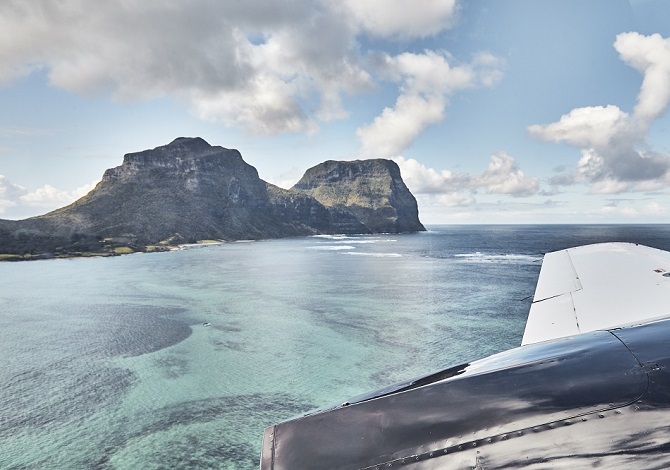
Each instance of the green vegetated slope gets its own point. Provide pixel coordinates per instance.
(189, 190)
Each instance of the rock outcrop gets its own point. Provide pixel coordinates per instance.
(372, 190)
(189, 190)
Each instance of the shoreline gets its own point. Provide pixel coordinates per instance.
(198, 244)
(116, 251)
(121, 250)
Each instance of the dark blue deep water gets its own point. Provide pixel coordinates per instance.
(107, 363)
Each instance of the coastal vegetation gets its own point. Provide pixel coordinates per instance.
(190, 192)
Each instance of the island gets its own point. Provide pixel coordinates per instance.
(189, 191)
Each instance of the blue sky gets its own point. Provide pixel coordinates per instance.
(505, 111)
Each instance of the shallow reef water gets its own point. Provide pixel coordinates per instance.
(180, 359)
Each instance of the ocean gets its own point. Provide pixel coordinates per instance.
(180, 359)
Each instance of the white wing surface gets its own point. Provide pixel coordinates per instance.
(596, 287)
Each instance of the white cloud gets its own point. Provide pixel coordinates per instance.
(9, 190)
(396, 128)
(82, 191)
(609, 186)
(593, 126)
(433, 207)
(435, 211)
(46, 196)
(287, 178)
(615, 157)
(653, 208)
(423, 180)
(502, 176)
(22, 201)
(631, 209)
(426, 80)
(267, 66)
(651, 56)
(616, 210)
(403, 18)
(9, 193)
(52, 198)
(489, 68)
(267, 107)
(456, 200)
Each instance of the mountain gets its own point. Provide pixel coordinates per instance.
(189, 190)
(372, 190)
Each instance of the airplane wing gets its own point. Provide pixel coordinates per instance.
(597, 287)
(591, 387)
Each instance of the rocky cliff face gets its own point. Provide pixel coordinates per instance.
(187, 187)
(189, 190)
(372, 190)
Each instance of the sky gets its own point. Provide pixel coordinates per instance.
(497, 112)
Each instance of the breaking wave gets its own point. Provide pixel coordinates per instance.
(331, 237)
(509, 258)
(331, 247)
(358, 240)
(376, 255)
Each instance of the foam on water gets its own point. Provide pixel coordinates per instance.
(376, 255)
(331, 247)
(357, 239)
(510, 258)
(332, 237)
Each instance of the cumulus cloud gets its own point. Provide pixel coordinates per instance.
(426, 81)
(651, 56)
(46, 198)
(502, 176)
(267, 66)
(9, 193)
(396, 128)
(52, 198)
(615, 156)
(593, 126)
(423, 180)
